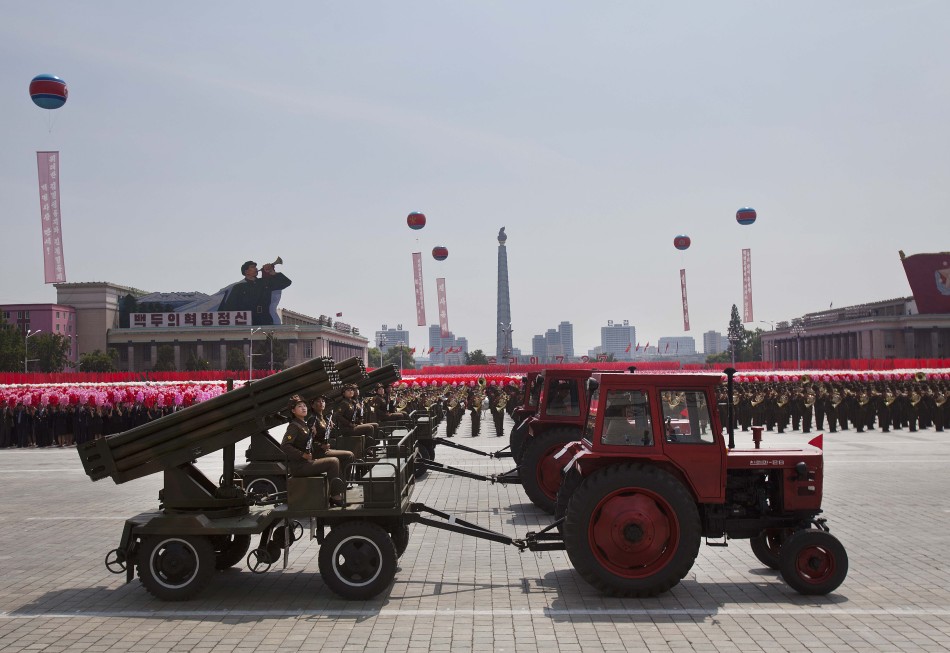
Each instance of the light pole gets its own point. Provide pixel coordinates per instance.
(26, 344)
(735, 337)
(381, 344)
(798, 331)
(250, 354)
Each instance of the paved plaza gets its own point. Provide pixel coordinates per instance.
(886, 498)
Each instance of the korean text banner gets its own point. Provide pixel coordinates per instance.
(420, 299)
(54, 265)
(443, 308)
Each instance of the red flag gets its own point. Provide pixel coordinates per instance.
(647, 345)
(638, 347)
(667, 348)
(441, 350)
(817, 441)
(627, 350)
(431, 349)
(412, 351)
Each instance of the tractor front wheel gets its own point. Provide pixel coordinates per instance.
(540, 473)
(632, 530)
(176, 567)
(813, 562)
(357, 560)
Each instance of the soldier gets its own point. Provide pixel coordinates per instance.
(309, 455)
(347, 416)
(382, 407)
(475, 408)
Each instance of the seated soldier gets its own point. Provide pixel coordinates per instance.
(308, 454)
(382, 406)
(348, 418)
(319, 421)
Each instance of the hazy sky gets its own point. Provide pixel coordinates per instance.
(201, 134)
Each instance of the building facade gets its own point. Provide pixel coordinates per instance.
(618, 339)
(44, 318)
(886, 329)
(676, 346)
(554, 343)
(387, 337)
(446, 351)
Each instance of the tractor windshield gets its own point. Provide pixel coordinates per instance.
(686, 417)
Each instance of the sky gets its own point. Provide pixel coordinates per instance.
(201, 135)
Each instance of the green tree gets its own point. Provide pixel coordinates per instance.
(374, 356)
(195, 364)
(165, 359)
(11, 347)
(392, 357)
(99, 361)
(476, 357)
(236, 359)
(740, 339)
(262, 352)
(51, 351)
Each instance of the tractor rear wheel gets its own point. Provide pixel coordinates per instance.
(516, 439)
(813, 562)
(175, 567)
(564, 493)
(357, 560)
(539, 472)
(632, 530)
(767, 546)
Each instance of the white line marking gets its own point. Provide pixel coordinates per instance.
(35, 471)
(539, 612)
(74, 518)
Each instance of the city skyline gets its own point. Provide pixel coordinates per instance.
(188, 152)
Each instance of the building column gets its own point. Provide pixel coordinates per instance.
(934, 343)
(223, 355)
(153, 353)
(200, 350)
(131, 355)
(910, 344)
(177, 355)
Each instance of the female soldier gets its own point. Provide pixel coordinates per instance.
(308, 454)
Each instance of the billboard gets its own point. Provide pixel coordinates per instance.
(929, 278)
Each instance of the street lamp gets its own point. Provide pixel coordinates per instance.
(250, 354)
(798, 331)
(381, 344)
(26, 361)
(735, 337)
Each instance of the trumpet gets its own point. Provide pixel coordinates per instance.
(277, 261)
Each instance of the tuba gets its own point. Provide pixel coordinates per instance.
(920, 376)
(502, 401)
(806, 378)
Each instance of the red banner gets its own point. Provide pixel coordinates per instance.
(420, 299)
(929, 278)
(443, 308)
(54, 265)
(747, 286)
(685, 303)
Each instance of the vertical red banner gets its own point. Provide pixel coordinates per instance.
(443, 308)
(747, 286)
(685, 303)
(54, 264)
(420, 298)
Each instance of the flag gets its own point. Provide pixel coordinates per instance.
(638, 347)
(647, 346)
(667, 348)
(677, 347)
(412, 351)
(431, 349)
(54, 269)
(441, 350)
(627, 350)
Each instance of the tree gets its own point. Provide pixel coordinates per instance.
(476, 357)
(195, 364)
(165, 359)
(374, 356)
(51, 351)
(236, 359)
(740, 339)
(262, 352)
(98, 361)
(392, 357)
(11, 347)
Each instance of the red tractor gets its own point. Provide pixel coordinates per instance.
(561, 411)
(654, 475)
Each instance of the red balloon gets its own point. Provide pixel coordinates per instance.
(682, 242)
(440, 253)
(416, 220)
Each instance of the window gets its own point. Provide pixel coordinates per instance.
(57, 327)
(562, 398)
(627, 420)
(686, 417)
(308, 349)
(591, 416)
(57, 313)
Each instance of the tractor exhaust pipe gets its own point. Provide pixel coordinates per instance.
(730, 372)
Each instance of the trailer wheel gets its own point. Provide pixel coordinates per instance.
(813, 562)
(767, 546)
(632, 530)
(540, 473)
(261, 486)
(357, 560)
(425, 450)
(229, 549)
(175, 568)
(400, 537)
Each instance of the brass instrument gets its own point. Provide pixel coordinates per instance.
(782, 399)
(502, 401)
(758, 399)
(889, 398)
(278, 261)
(805, 378)
(482, 382)
(835, 398)
(810, 400)
(920, 376)
(940, 398)
(914, 398)
(863, 399)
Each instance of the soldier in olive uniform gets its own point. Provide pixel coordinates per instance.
(309, 455)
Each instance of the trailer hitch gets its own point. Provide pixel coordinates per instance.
(456, 525)
(502, 479)
(545, 540)
(501, 453)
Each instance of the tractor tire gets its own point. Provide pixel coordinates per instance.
(813, 562)
(516, 439)
(767, 546)
(540, 474)
(632, 530)
(357, 560)
(569, 485)
(175, 567)
(229, 550)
